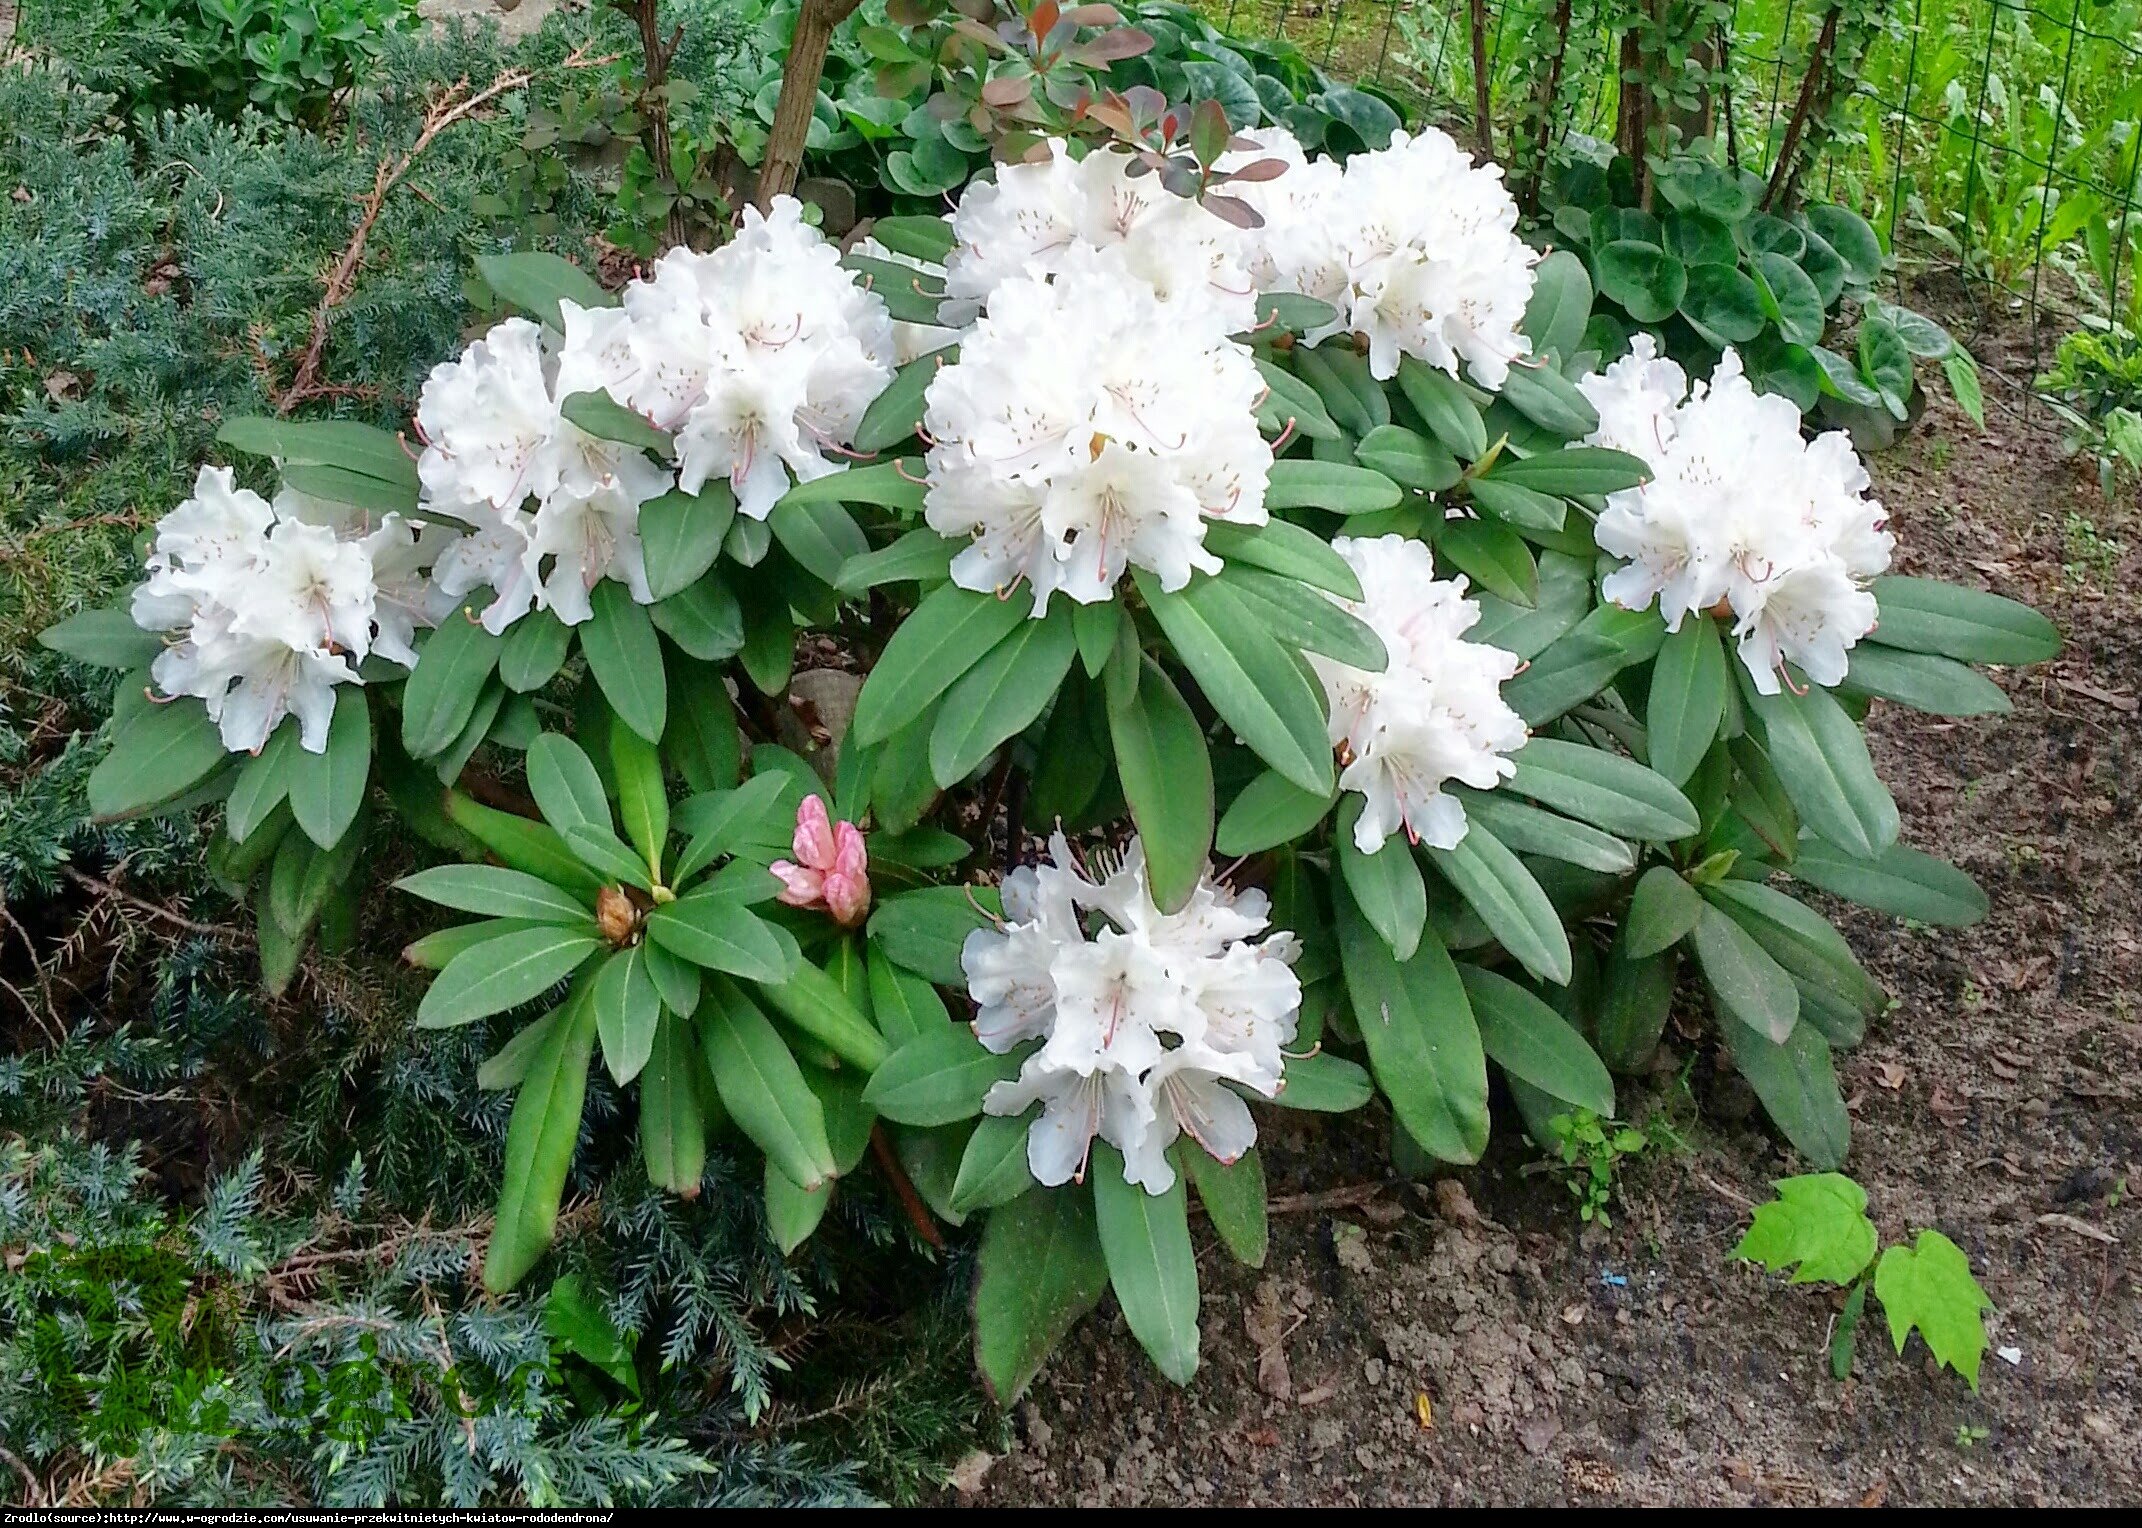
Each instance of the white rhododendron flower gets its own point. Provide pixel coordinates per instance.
(1434, 715)
(1149, 1022)
(272, 606)
(1084, 431)
(1414, 245)
(1740, 510)
(1029, 220)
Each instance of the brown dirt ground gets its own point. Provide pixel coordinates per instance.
(1639, 1365)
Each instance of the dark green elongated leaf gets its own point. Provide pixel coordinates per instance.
(705, 620)
(681, 535)
(1544, 396)
(702, 743)
(642, 798)
(1407, 458)
(1797, 1082)
(1259, 691)
(1423, 1045)
(1565, 594)
(1095, 627)
(814, 1003)
(1298, 616)
(1444, 406)
(902, 1004)
(1497, 886)
(160, 754)
(625, 656)
(602, 416)
(1167, 780)
(1689, 691)
(889, 485)
(1039, 1270)
(1530, 1041)
(677, 980)
(627, 1009)
(103, 639)
(1000, 696)
(993, 1170)
(822, 537)
(504, 973)
(359, 490)
(1803, 942)
(533, 651)
(539, 1146)
(1938, 686)
(1282, 547)
(1233, 1196)
(1324, 1084)
(440, 697)
(1923, 616)
(1335, 487)
(762, 1087)
(510, 1066)
(1271, 810)
(263, 782)
(536, 283)
(1151, 1265)
(911, 296)
(566, 787)
(1560, 304)
(921, 238)
(434, 950)
(1604, 789)
(1570, 671)
(1290, 400)
(363, 449)
(922, 931)
(1288, 310)
(895, 414)
(1532, 830)
(1514, 504)
(495, 892)
(606, 854)
(524, 845)
(1386, 886)
(1572, 471)
(938, 1077)
(945, 636)
(1635, 1000)
(760, 811)
(920, 556)
(673, 1130)
(1901, 881)
(1493, 556)
(1661, 912)
(1353, 398)
(1750, 987)
(793, 1213)
(849, 1121)
(1821, 759)
(719, 934)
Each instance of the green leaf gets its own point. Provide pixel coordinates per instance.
(1560, 305)
(1901, 881)
(1723, 303)
(1571, 472)
(1635, 999)
(1962, 372)
(495, 892)
(681, 535)
(580, 1326)
(539, 1146)
(923, 238)
(1258, 689)
(1271, 810)
(1532, 830)
(1821, 759)
(889, 485)
(1040, 1268)
(1647, 282)
(1095, 628)
(813, 1002)
(103, 639)
(1423, 1045)
(938, 1077)
(923, 931)
(1408, 459)
(440, 697)
(1816, 1229)
(1747, 984)
(903, 1004)
(793, 1213)
(993, 1169)
(359, 490)
(1341, 378)
(625, 656)
(1299, 616)
(536, 283)
(720, 934)
(1848, 233)
(900, 286)
(1233, 1196)
(1385, 886)
(1570, 671)
(822, 538)
(1928, 1286)
(1798, 1086)
(264, 783)
(1291, 400)
(895, 414)
(702, 742)
(1938, 686)
(1690, 688)
(1533, 1043)
(1790, 298)
(1604, 789)
(627, 1009)
(642, 798)
(510, 1066)
(1921, 615)
(1145, 1239)
(567, 790)
(1885, 360)
(1167, 780)
(945, 636)
(1493, 555)
(920, 556)
(1000, 696)
(1287, 310)
(1515, 505)
(1444, 406)
(1497, 886)
(602, 416)
(1332, 486)
(533, 650)
(1804, 943)
(1324, 1084)
(504, 973)
(161, 753)
(762, 1087)
(327, 788)
(1662, 911)
(360, 449)
(676, 979)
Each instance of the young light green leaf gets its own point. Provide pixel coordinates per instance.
(1928, 1286)
(1816, 1229)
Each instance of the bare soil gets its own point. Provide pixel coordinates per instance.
(1469, 1341)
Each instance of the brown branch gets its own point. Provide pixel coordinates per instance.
(1550, 87)
(917, 1212)
(1482, 125)
(142, 904)
(800, 73)
(1785, 174)
(454, 106)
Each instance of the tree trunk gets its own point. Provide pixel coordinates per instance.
(1813, 101)
(800, 74)
(1483, 124)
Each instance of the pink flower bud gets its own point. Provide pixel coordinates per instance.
(832, 872)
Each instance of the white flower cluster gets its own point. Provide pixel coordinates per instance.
(1436, 714)
(1740, 510)
(761, 357)
(273, 605)
(1086, 428)
(1148, 1026)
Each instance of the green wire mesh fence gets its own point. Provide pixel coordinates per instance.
(1995, 141)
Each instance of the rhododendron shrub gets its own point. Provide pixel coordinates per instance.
(1299, 674)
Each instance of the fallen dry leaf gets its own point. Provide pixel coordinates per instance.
(1889, 1075)
(2080, 1228)
(967, 1475)
(2127, 705)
